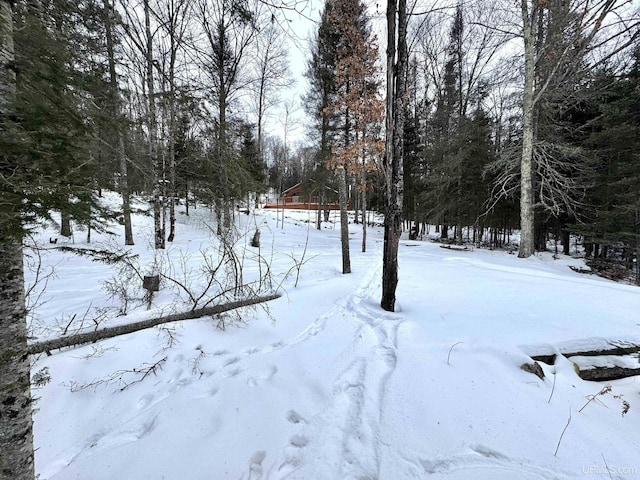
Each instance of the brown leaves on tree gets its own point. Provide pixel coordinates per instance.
(358, 101)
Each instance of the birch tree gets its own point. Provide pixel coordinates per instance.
(16, 429)
(173, 18)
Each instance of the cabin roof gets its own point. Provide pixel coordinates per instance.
(296, 188)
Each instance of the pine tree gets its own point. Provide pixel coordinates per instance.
(346, 88)
(611, 224)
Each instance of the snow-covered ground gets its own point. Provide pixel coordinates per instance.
(322, 383)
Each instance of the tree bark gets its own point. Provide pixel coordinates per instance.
(527, 211)
(65, 223)
(364, 210)
(16, 427)
(159, 240)
(122, 158)
(344, 219)
(104, 333)
(396, 86)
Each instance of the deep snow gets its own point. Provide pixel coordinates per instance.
(322, 383)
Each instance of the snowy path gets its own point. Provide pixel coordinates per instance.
(349, 433)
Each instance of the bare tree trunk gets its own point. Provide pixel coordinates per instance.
(124, 190)
(175, 13)
(344, 219)
(364, 221)
(122, 159)
(16, 437)
(153, 141)
(526, 163)
(172, 174)
(65, 223)
(363, 186)
(16, 427)
(396, 86)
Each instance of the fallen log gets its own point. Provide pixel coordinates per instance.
(619, 349)
(606, 374)
(457, 249)
(91, 337)
(606, 367)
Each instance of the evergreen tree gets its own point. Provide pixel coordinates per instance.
(352, 108)
(321, 75)
(52, 130)
(612, 219)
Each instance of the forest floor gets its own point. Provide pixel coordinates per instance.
(321, 383)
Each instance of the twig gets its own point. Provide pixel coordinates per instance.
(554, 385)
(606, 466)
(562, 434)
(73, 317)
(606, 389)
(449, 354)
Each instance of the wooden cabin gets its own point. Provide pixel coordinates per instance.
(301, 196)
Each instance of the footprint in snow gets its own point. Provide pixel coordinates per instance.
(295, 418)
(144, 401)
(277, 345)
(147, 427)
(299, 441)
(231, 361)
(255, 465)
(272, 370)
(268, 375)
(233, 372)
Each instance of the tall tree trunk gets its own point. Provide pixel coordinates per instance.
(527, 224)
(172, 174)
(396, 86)
(172, 131)
(363, 187)
(16, 427)
(153, 140)
(115, 99)
(344, 219)
(16, 430)
(65, 223)
(364, 217)
(186, 196)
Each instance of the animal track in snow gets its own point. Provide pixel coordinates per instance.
(144, 401)
(268, 375)
(299, 441)
(234, 372)
(231, 361)
(295, 417)
(255, 465)
(490, 462)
